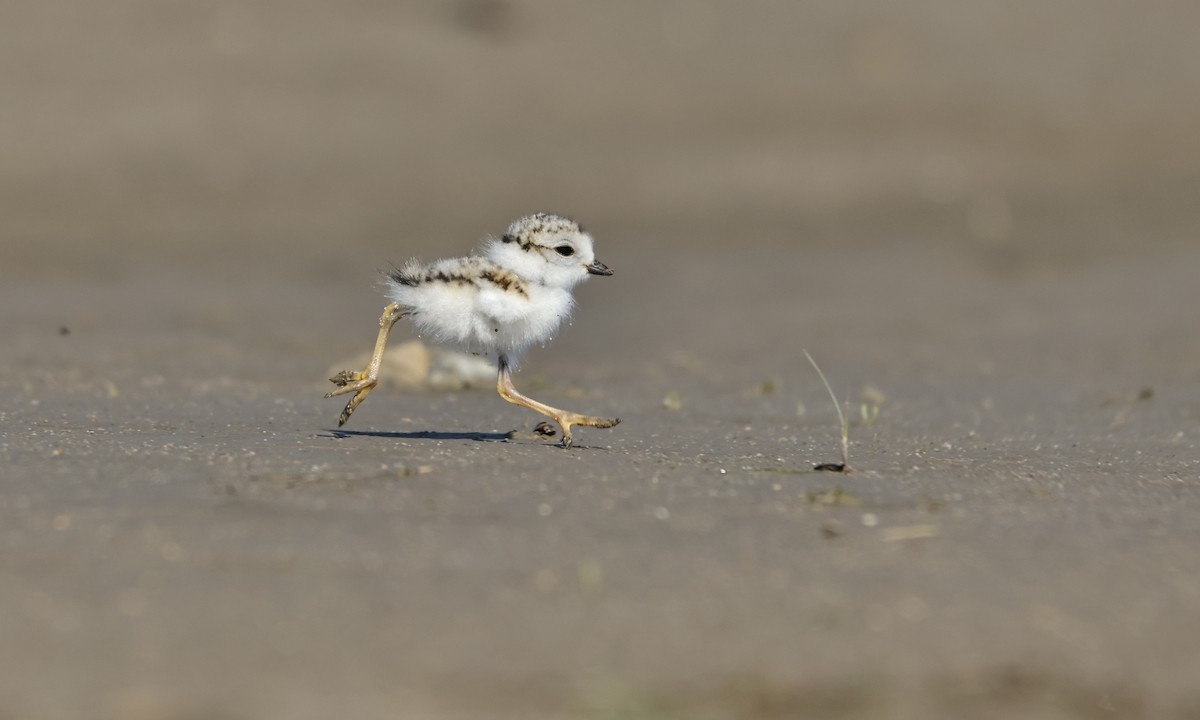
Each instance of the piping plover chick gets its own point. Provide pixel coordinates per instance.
(512, 295)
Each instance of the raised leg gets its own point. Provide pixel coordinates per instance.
(361, 383)
(563, 418)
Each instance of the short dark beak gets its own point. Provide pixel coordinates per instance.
(599, 268)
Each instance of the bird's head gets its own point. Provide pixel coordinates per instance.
(547, 249)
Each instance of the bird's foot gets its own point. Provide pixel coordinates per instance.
(566, 420)
(360, 383)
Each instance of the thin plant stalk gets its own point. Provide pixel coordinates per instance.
(841, 416)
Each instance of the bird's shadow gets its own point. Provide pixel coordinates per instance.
(421, 435)
(511, 436)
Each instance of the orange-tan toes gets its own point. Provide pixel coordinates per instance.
(568, 419)
(357, 383)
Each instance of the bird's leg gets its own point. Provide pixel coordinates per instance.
(361, 383)
(563, 418)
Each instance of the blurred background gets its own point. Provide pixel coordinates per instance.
(136, 130)
(235, 158)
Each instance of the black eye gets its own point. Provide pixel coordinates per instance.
(565, 250)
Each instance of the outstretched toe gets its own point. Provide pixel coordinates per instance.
(355, 401)
(345, 377)
(348, 381)
(567, 421)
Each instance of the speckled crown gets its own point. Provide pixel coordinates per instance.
(524, 230)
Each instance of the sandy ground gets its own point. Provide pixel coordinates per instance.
(983, 227)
